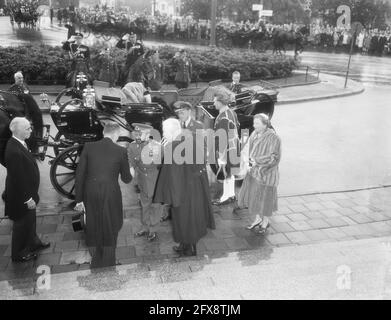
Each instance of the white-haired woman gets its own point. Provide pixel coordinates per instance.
(259, 189)
(184, 186)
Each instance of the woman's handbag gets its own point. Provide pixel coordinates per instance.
(79, 221)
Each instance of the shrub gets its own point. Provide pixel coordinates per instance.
(46, 63)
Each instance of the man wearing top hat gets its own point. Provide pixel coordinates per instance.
(144, 155)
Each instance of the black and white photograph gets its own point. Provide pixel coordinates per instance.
(209, 152)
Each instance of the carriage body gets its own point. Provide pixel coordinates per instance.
(78, 124)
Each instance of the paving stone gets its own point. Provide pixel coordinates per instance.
(326, 197)
(125, 252)
(64, 268)
(284, 210)
(65, 246)
(237, 243)
(58, 219)
(282, 227)
(278, 238)
(335, 233)
(53, 237)
(353, 230)
(310, 198)
(215, 244)
(316, 235)
(336, 222)
(314, 206)
(48, 259)
(360, 209)
(228, 215)
(5, 239)
(121, 241)
(382, 226)
(300, 225)
(340, 196)
(283, 202)
(256, 241)
(279, 219)
(68, 236)
(64, 228)
(331, 204)
(297, 217)
(318, 223)
(75, 257)
(297, 237)
(347, 211)
(46, 228)
(240, 232)
(147, 250)
(330, 213)
(3, 249)
(346, 203)
(313, 215)
(298, 208)
(361, 218)
(376, 216)
(295, 200)
(223, 233)
(5, 230)
(349, 221)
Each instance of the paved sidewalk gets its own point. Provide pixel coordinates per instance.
(358, 269)
(300, 220)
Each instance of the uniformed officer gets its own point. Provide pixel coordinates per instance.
(159, 68)
(144, 155)
(77, 50)
(183, 68)
(184, 110)
(134, 49)
(235, 86)
(108, 68)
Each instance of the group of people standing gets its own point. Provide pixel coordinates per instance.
(171, 175)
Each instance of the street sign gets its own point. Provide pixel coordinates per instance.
(266, 13)
(257, 7)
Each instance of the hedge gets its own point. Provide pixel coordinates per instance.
(42, 63)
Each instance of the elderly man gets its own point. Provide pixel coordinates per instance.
(184, 111)
(21, 193)
(184, 186)
(19, 87)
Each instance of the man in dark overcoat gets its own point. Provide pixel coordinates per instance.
(98, 193)
(21, 193)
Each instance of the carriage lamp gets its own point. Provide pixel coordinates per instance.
(89, 97)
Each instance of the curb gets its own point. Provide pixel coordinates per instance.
(339, 95)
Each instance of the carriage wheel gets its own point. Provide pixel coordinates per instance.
(58, 148)
(63, 171)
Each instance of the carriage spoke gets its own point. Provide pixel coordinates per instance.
(64, 174)
(66, 181)
(73, 188)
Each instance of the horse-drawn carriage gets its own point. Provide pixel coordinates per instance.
(79, 121)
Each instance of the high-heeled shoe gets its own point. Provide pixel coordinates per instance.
(252, 226)
(262, 230)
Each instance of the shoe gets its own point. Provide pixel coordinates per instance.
(252, 226)
(152, 236)
(42, 246)
(141, 233)
(189, 251)
(223, 203)
(179, 248)
(262, 230)
(166, 218)
(27, 257)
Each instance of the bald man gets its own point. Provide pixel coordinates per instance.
(21, 189)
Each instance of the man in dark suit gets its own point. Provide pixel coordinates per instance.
(235, 86)
(183, 69)
(21, 193)
(98, 193)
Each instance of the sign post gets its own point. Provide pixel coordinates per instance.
(356, 28)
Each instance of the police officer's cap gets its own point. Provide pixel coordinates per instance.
(78, 35)
(182, 105)
(141, 127)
